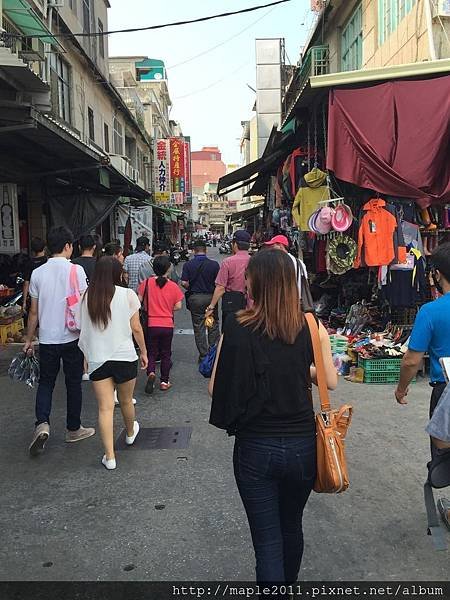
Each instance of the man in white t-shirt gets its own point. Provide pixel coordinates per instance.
(49, 288)
(280, 242)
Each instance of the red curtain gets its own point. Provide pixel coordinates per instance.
(393, 138)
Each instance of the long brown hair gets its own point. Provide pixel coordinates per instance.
(276, 311)
(102, 287)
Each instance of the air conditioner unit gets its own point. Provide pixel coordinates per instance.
(32, 49)
(442, 9)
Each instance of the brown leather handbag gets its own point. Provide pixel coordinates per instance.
(331, 428)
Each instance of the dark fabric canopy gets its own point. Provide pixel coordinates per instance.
(82, 213)
(393, 138)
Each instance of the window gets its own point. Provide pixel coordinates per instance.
(106, 136)
(91, 124)
(86, 16)
(118, 137)
(101, 39)
(352, 42)
(60, 87)
(390, 14)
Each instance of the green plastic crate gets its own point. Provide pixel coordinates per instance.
(380, 365)
(381, 377)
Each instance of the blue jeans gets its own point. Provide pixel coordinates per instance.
(50, 356)
(275, 477)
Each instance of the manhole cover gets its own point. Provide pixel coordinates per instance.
(158, 438)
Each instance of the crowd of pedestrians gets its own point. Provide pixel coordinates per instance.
(108, 316)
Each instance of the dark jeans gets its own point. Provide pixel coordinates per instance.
(204, 337)
(159, 344)
(275, 477)
(50, 356)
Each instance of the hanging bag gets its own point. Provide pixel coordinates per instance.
(73, 302)
(331, 428)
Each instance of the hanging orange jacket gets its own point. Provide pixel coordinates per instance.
(376, 236)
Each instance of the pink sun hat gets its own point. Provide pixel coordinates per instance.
(342, 218)
(323, 220)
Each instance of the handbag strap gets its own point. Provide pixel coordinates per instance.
(319, 364)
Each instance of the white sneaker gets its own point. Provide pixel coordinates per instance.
(116, 400)
(85, 377)
(109, 464)
(130, 440)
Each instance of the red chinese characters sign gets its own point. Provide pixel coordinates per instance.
(188, 175)
(162, 171)
(177, 165)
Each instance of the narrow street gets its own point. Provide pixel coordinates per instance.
(176, 514)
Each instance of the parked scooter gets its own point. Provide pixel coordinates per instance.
(175, 255)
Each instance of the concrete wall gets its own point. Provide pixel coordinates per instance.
(409, 42)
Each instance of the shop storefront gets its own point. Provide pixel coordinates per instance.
(362, 189)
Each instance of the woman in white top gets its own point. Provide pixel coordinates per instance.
(109, 320)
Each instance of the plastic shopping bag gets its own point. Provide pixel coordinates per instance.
(25, 368)
(207, 364)
(439, 424)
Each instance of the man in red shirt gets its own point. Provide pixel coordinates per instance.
(230, 281)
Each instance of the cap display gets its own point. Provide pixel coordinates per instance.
(342, 218)
(342, 251)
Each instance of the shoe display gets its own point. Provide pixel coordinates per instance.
(109, 464)
(40, 437)
(150, 385)
(164, 386)
(129, 440)
(80, 434)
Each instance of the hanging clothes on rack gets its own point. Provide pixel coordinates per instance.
(308, 197)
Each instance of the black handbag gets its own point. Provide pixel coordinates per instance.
(144, 308)
(232, 302)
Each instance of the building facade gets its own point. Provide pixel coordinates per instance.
(72, 148)
(207, 167)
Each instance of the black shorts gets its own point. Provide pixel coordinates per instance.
(118, 370)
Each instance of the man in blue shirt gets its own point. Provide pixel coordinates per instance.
(198, 278)
(431, 333)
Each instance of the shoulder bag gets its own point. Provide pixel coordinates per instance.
(144, 307)
(189, 292)
(331, 428)
(73, 301)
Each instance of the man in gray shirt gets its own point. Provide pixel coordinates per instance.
(146, 269)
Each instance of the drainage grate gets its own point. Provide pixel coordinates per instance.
(158, 438)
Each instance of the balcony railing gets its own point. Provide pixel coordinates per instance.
(316, 62)
(134, 103)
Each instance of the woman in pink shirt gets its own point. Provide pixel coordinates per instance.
(162, 298)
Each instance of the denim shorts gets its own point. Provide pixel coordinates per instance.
(119, 371)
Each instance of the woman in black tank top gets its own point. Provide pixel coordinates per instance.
(261, 390)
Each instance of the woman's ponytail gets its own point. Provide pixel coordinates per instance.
(161, 281)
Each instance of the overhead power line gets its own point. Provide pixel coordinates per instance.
(162, 26)
(200, 54)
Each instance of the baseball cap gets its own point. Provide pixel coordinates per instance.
(278, 239)
(242, 236)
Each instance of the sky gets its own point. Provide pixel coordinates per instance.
(209, 94)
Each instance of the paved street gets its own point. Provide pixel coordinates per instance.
(176, 514)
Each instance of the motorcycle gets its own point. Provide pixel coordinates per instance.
(225, 248)
(175, 255)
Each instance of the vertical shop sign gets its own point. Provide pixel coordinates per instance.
(162, 171)
(177, 165)
(9, 219)
(187, 170)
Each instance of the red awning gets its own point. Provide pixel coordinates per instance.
(393, 138)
